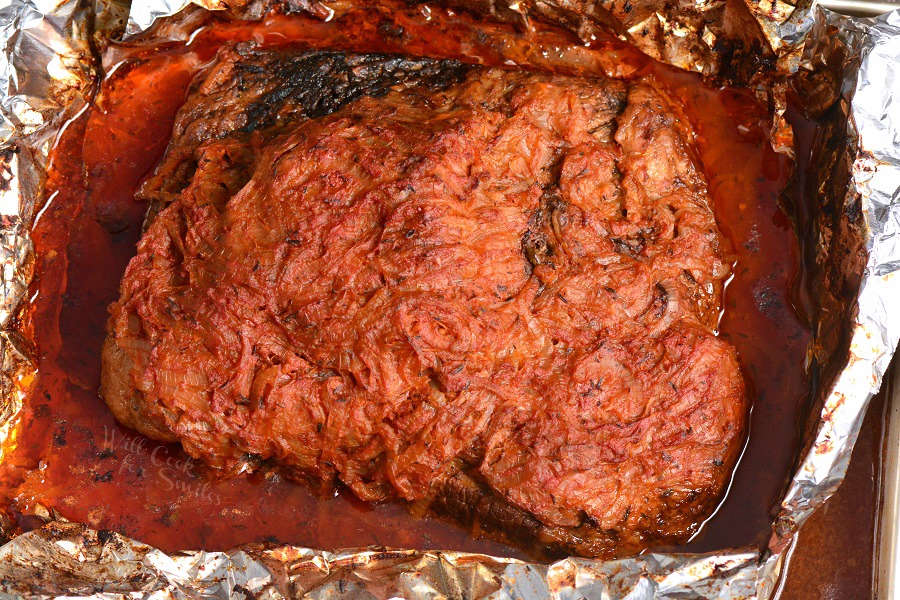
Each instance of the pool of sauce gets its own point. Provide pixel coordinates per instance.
(72, 459)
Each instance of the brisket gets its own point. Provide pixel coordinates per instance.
(490, 293)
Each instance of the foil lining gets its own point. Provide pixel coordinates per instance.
(47, 71)
(70, 559)
(701, 35)
(875, 184)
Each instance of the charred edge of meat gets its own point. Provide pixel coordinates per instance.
(275, 89)
(322, 82)
(464, 498)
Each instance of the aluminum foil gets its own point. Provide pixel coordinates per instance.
(875, 187)
(47, 72)
(698, 35)
(70, 559)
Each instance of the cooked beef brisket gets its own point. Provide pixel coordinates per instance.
(488, 292)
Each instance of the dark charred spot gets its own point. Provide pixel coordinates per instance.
(537, 248)
(104, 536)
(628, 246)
(546, 226)
(660, 300)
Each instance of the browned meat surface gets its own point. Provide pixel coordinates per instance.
(490, 293)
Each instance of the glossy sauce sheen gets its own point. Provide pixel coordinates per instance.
(72, 457)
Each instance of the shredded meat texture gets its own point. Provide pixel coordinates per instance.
(490, 293)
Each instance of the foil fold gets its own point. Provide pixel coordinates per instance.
(875, 186)
(108, 565)
(47, 72)
(699, 35)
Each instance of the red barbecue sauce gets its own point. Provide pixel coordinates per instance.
(71, 457)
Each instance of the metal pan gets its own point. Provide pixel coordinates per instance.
(887, 539)
(859, 8)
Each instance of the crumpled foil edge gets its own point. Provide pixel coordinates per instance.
(875, 130)
(65, 558)
(121, 567)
